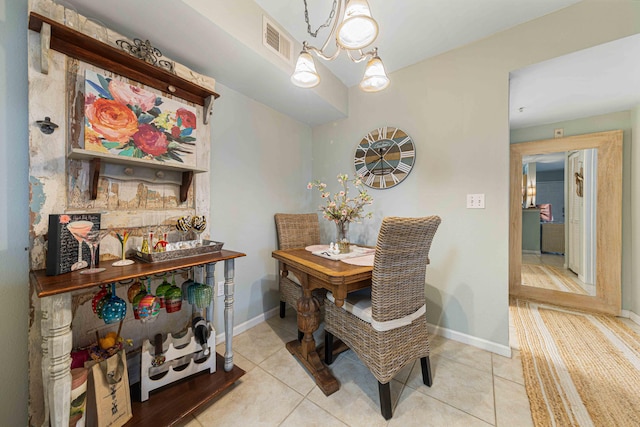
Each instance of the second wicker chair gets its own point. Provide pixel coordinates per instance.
(295, 231)
(388, 328)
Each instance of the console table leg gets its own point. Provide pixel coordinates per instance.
(228, 313)
(57, 337)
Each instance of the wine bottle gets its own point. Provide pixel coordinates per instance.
(201, 332)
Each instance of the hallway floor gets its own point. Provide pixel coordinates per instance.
(556, 260)
(471, 387)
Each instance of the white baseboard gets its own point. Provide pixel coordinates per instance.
(628, 314)
(502, 350)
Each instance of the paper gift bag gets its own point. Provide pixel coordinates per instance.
(109, 402)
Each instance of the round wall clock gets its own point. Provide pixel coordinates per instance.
(384, 157)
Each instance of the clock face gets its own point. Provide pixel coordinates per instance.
(384, 157)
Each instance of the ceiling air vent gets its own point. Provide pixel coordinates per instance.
(274, 39)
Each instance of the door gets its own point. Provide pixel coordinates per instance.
(575, 213)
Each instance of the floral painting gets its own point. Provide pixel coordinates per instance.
(126, 120)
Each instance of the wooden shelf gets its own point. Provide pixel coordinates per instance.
(82, 154)
(171, 404)
(96, 158)
(81, 46)
(69, 282)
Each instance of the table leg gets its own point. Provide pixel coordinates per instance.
(228, 313)
(56, 363)
(305, 351)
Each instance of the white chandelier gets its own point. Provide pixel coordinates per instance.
(352, 30)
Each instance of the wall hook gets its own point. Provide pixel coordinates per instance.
(47, 126)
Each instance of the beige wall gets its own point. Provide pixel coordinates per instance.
(260, 164)
(455, 106)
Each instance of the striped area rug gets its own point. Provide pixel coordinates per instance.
(580, 369)
(550, 277)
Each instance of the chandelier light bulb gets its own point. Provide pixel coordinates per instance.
(375, 78)
(357, 29)
(305, 74)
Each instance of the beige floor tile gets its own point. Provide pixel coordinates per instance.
(289, 322)
(357, 403)
(261, 341)
(238, 359)
(459, 385)
(308, 414)
(401, 376)
(417, 409)
(462, 353)
(189, 422)
(257, 399)
(287, 369)
(512, 404)
(508, 368)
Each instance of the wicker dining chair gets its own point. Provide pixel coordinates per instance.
(387, 328)
(295, 231)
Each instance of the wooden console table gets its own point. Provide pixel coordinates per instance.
(56, 297)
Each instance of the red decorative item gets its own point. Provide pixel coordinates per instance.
(97, 297)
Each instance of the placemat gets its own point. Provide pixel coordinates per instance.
(366, 260)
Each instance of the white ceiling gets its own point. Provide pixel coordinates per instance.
(599, 80)
(410, 31)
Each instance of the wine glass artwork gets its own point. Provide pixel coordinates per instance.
(78, 230)
(123, 243)
(199, 224)
(184, 225)
(149, 306)
(92, 238)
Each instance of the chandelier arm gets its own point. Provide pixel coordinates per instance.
(320, 54)
(363, 55)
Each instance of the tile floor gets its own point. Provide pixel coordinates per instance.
(471, 387)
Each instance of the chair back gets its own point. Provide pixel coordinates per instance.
(399, 267)
(297, 230)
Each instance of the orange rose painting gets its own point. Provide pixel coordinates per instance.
(126, 120)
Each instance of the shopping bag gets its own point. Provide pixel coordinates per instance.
(109, 402)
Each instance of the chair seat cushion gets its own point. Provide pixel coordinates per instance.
(359, 304)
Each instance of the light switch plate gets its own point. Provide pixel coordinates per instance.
(220, 289)
(475, 201)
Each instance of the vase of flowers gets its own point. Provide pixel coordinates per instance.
(342, 236)
(342, 209)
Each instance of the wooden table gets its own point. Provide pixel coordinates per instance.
(315, 272)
